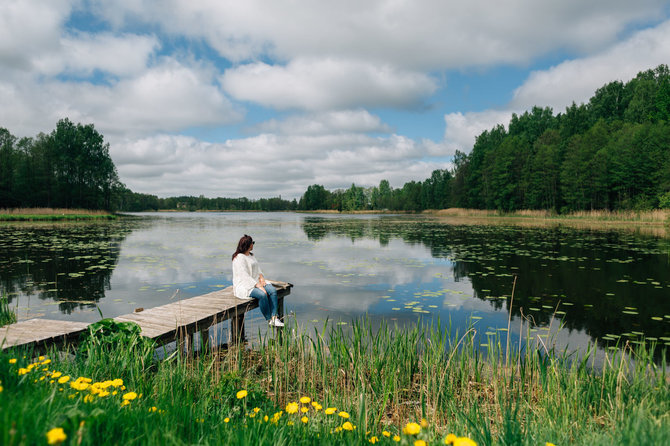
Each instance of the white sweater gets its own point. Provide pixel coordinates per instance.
(246, 272)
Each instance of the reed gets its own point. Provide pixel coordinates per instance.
(383, 377)
(53, 214)
(7, 314)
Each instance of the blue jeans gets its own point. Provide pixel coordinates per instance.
(266, 302)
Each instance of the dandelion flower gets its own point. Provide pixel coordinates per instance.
(396, 438)
(549, 444)
(292, 407)
(63, 379)
(344, 414)
(129, 396)
(411, 429)
(12, 361)
(387, 434)
(419, 443)
(424, 423)
(305, 400)
(304, 409)
(373, 440)
(118, 382)
(241, 394)
(125, 403)
(1, 388)
(464, 441)
(56, 374)
(450, 439)
(56, 435)
(304, 420)
(347, 426)
(226, 420)
(330, 410)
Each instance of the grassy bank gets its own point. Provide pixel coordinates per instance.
(51, 214)
(341, 387)
(656, 216)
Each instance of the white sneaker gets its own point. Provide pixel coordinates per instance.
(275, 322)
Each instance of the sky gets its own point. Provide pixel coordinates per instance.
(264, 98)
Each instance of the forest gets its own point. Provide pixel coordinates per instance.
(611, 153)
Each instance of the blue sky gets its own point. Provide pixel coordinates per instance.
(264, 97)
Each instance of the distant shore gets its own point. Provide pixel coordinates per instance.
(51, 214)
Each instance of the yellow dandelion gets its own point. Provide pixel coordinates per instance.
(396, 438)
(118, 382)
(292, 407)
(56, 435)
(450, 439)
(46, 361)
(330, 410)
(125, 403)
(226, 420)
(347, 426)
(12, 361)
(304, 420)
(241, 394)
(22, 371)
(411, 429)
(153, 409)
(464, 441)
(344, 415)
(387, 434)
(304, 409)
(266, 418)
(419, 443)
(40, 358)
(63, 379)
(1, 388)
(89, 398)
(305, 400)
(103, 393)
(56, 374)
(424, 423)
(549, 444)
(129, 396)
(373, 440)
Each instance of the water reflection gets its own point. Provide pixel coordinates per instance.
(606, 284)
(603, 285)
(69, 265)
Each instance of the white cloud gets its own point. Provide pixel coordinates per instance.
(577, 80)
(346, 121)
(573, 80)
(84, 53)
(166, 97)
(462, 128)
(321, 84)
(268, 164)
(418, 34)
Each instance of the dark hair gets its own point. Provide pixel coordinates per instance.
(243, 245)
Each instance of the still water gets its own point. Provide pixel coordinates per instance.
(573, 287)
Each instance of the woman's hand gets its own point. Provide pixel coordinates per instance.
(261, 280)
(260, 286)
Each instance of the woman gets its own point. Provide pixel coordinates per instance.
(249, 283)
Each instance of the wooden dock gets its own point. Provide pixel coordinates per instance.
(177, 321)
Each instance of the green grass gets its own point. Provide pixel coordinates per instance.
(383, 377)
(54, 217)
(7, 315)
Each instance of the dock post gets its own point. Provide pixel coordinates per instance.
(204, 339)
(236, 329)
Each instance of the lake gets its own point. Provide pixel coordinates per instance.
(574, 287)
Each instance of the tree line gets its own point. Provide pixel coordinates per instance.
(67, 168)
(612, 153)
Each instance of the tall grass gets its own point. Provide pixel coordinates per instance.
(650, 216)
(383, 377)
(7, 314)
(53, 214)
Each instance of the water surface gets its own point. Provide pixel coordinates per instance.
(573, 287)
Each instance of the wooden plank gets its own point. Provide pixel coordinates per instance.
(163, 323)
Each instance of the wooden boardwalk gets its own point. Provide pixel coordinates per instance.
(176, 321)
